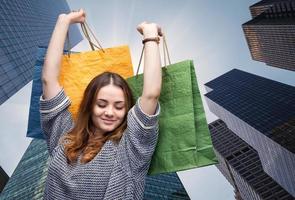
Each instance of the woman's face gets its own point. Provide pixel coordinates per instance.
(109, 109)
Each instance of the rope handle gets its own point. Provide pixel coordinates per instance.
(85, 28)
(165, 50)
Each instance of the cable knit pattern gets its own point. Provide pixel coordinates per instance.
(116, 172)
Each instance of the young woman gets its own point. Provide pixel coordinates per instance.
(106, 152)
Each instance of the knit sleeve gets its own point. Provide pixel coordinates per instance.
(139, 141)
(56, 120)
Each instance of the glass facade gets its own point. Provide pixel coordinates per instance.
(271, 33)
(25, 25)
(240, 164)
(28, 179)
(164, 186)
(261, 112)
(258, 8)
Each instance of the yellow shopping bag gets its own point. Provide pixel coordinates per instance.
(78, 69)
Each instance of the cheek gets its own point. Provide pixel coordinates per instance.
(97, 111)
(121, 114)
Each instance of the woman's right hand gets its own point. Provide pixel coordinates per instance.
(75, 16)
(51, 68)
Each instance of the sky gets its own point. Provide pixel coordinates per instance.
(207, 31)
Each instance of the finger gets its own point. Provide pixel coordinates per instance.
(142, 23)
(141, 31)
(79, 13)
(83, 12)
(160, 32)
(141, 26)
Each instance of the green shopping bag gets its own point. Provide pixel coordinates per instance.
(184, 141)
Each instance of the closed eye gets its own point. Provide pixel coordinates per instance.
(119, 108)
(101, 105)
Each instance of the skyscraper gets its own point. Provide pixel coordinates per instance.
(241, 165)
(258, 8)
(28, 179)
(262, 113)
(271, 33)
(164, 186)
(3, 179)
(25, 25)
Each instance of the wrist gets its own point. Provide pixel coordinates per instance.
(63, 18)
(151, 39)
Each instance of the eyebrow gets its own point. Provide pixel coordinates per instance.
(116, 102)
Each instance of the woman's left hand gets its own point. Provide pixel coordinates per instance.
(149, 29)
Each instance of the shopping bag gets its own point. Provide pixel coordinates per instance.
(80, 68)
(34, 128)
(184, 141)
(87, 65)
(77, 70)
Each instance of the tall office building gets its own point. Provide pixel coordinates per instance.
(28, 179)
(25, 25)
(241, 166)
(164, 186)
(258, 8)
(3, 179)
(262, 113)
(271, 33)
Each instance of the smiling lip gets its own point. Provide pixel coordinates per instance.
(108, 121)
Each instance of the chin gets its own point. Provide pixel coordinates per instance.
(108, 128)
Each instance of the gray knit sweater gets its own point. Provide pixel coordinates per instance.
(116, 172)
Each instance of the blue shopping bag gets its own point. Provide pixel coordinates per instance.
(34, 127)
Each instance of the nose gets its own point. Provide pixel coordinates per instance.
(109, 112)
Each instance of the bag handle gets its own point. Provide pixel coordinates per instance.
(165, 50)
(85, 27)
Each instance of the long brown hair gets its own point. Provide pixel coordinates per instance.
(81, 139)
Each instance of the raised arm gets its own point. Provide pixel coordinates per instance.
(54, 53)
(152, 68)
